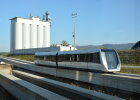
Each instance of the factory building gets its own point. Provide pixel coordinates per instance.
(29, 33)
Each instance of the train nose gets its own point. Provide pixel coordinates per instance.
(112, 60)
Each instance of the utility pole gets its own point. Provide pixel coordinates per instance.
(74, 15)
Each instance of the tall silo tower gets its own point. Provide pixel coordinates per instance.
(27, 33)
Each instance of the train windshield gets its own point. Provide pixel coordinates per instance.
(112, 59)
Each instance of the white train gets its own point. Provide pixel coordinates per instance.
(106, 60)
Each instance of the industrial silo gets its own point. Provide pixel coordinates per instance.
(25, 36)
(47, 35)
(40, 36)
(27, 33)
(33, 36)
(18, 36)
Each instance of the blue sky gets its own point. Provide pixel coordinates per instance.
(98, 21)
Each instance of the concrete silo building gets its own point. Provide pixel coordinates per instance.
(29, 33)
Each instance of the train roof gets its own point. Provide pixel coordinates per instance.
(68, 52)
(79, 51)
(45, 53)
(71, 52)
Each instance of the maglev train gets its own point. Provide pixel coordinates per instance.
(104, 60)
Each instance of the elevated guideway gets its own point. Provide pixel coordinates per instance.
(121, 82)
(69, 91)
(23, 90)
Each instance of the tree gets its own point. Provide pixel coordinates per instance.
(64, 43)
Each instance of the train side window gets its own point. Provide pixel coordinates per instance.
(68, 58)
(75, 58)
(90, 57)
(61, 58)
(94, 57)
(50, 58)
(53, 59)
(82, 58)
(46, 58)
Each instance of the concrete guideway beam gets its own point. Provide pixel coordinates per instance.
(70, 91)
(126, 83)
(24, 90)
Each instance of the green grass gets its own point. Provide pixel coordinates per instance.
(130, 70)
(23, 57)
